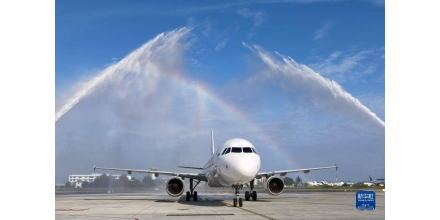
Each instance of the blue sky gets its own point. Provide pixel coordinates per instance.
(343, 41)
(308, 32)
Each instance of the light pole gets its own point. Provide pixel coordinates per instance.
(343, 175)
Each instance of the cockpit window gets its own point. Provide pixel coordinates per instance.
(228, 150)
(247, 150)
(236, 150)
(224, 151)
(255, 151)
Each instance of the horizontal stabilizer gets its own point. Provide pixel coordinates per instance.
(196, 168)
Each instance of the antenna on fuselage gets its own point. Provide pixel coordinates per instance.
(212, 141)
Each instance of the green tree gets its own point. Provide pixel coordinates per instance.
(136, 183)
(288, 181)
(67, 184)
(86, 184)
(102, 181)
(122, 181)
(299, 181)
(147, 181)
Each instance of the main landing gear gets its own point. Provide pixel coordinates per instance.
(251, 192)
(192, 193)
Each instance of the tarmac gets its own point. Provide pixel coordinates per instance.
(289, 205)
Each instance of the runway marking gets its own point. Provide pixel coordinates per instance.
(57, 210)
(100, 216)
(143, 210)
(255, 213)
(195, 214)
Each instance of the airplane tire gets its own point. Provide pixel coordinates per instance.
(246, 195)
(235, 202)
(240, 202)
(195, 195)
(187, 196)
(254, 195)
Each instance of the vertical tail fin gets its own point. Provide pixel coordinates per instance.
(370, 178)
(212, 142)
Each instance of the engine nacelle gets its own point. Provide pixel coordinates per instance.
(175, 186)
(274, 186)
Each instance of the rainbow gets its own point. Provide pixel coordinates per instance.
(212, 97)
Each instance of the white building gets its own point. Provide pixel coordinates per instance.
(79, 179)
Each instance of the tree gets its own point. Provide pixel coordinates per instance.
(288, 181)
(102, 181)
(122, 181)
(147, 181)
(86, 184)
(299, 181)
(67, 184)
(136, 183)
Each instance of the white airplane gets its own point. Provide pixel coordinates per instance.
(235, 164)
(314, 183)
(377, 182)
(339, 184)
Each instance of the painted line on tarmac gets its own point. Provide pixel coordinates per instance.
(255, 213)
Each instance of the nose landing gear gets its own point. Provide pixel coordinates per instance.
(237, 198)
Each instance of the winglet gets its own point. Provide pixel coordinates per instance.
(94, 167)
(336, 167)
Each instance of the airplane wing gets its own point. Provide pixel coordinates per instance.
(197, 176)
(284, 172)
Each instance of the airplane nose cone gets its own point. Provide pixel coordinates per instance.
(246, 169)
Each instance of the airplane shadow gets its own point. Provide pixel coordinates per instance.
(133, 199)
(203, 200)
(213, 201)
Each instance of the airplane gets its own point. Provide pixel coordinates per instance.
(339, 184)
(377, 182)
(235, 164)
(314, 183)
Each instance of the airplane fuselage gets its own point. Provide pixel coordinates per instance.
(235, 163)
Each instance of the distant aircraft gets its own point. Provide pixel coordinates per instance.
(376, 182)
(235, 164)
(339, 184)
(314, 183)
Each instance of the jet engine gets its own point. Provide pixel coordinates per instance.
(274, 186)
(175, 186)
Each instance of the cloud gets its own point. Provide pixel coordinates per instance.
(333, 64)
(261, 2)
(258, 18)
(348, 66)
(322, 31)
(221, 44)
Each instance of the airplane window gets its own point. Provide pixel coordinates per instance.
(228, 150)
(255, 151)
(247, 150)
(224, 151)
(236, 150)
